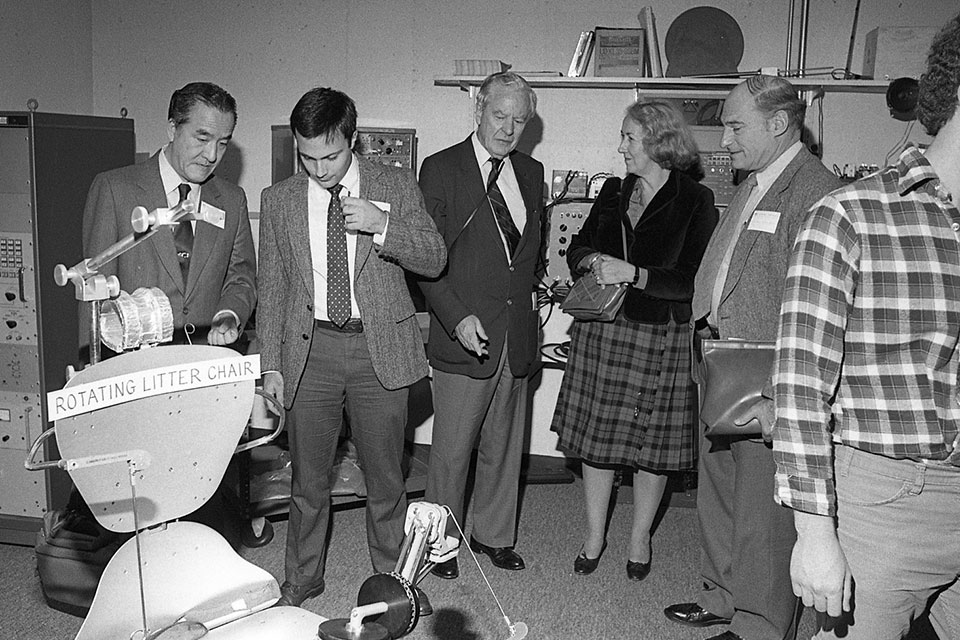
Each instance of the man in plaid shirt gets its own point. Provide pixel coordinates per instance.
(866, 390)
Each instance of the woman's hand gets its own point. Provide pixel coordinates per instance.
(609, 270)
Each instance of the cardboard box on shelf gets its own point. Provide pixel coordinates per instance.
(896, 52)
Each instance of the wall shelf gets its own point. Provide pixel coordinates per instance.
(669, 87)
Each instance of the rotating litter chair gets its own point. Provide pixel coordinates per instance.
(143, 463)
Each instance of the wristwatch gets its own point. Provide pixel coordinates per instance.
(636, 276)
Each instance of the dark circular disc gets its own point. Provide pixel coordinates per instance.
(701, 41)
(337, 630)
(403, 608)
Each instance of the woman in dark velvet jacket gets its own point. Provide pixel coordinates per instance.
(627, 399)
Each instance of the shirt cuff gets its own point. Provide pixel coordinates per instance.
(223, 312)
(379, 237)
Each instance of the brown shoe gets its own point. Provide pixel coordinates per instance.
(293, 595)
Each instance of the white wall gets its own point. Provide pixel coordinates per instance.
(99, 56)
(386, 53)
(45, 54)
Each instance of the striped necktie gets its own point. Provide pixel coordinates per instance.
(499, 206)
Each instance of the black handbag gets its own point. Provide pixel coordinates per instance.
(587, 300)
(733, 375)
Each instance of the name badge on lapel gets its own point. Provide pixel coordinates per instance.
(764, 221)
(211, 214)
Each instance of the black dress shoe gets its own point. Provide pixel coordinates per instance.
(637, 571)
(693, 615)
(503, 557)
(584, 565)
(447, 570)
(293, 595)
(424, 608)
(726, 635)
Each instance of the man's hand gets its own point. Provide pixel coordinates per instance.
(362, 215)
(223, 330)
(471, 335)
(818, 568)
(273, 384)
(762, 412)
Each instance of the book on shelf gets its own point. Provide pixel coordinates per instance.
(478, 67)
(619, 52)
(581, 56)
(654, 64)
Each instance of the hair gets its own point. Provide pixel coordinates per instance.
(666, 137)
(184, 99)
(322, 111)
(772, 94)
(507, 81)
(937, 100)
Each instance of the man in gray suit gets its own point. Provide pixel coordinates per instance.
(337, 327)
(746, 538)
(211, 284)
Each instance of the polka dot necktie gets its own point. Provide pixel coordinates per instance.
(499, 206)
(338, 269)
(183, 236)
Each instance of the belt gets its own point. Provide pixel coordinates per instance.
(197, 335)
(353, 325)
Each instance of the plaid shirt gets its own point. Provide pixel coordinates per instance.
(867, 349)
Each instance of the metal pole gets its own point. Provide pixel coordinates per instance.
(788, 59)
(802, 53)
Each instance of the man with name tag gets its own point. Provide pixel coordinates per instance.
(746, 537)
(205, 265)
(338, 329)
(866, 385)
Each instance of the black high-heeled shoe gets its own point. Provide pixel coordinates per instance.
(583, 565)
(637, 571)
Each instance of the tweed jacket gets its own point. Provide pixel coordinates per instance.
(478, 279)
(285, 316)
(668, 241)
(223, 266)
(750, 302)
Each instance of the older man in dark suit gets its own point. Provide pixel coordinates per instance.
(338, 329)
(207, 267)
(487, 201)
(746, 538)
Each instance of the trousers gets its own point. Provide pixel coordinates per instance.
(898, 528)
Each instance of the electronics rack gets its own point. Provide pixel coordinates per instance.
(389, 146)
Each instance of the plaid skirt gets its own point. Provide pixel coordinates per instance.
(627, 397)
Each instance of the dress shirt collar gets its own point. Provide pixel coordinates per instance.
(171, 180)
(483, 160)
(766, 177)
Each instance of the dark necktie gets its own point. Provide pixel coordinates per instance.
(183, 236)
(338, 269)
(499, 206)
(716, 260)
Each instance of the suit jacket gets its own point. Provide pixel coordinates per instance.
(223, 265)
(668, 241)
(286, 316)
(478, 279)
(750, 303)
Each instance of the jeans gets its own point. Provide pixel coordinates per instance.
(898, 522)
